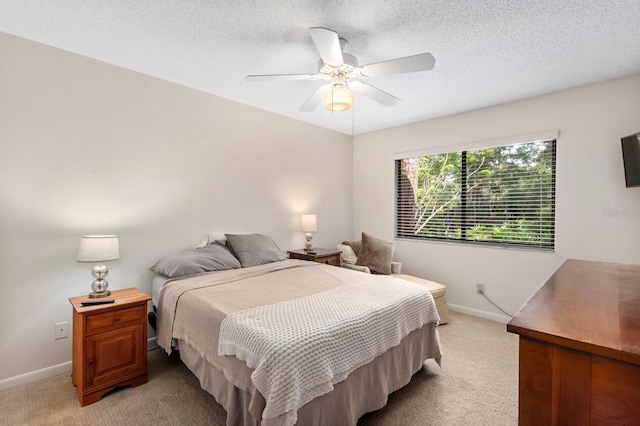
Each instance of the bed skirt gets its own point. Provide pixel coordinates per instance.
(365, 390)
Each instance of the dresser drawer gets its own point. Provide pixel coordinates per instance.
(119, 318)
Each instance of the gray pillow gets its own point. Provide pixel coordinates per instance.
(254, 249)
(214, 257)
(375, 254)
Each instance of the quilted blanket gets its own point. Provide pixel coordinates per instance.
(318, 340)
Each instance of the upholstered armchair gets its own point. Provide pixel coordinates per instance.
(374, 255)
(396, 267)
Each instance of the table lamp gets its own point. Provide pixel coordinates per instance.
(99, 248)
(308, 224)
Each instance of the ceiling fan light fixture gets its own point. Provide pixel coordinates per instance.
(338, 98)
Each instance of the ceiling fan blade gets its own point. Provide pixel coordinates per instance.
(328, 44)
(315, 99)
(362, 88)
(277, 77)
(422, 62)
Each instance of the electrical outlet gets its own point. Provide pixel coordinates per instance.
(61, 330)
(479, 288)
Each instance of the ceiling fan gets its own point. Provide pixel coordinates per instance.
(345, 75)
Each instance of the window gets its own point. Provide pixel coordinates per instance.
(502, 195)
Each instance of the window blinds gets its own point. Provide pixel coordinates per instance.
(501, 195)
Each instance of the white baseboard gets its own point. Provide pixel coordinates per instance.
(54, 370)
(478, 313)
(152, 343)
(34, 376)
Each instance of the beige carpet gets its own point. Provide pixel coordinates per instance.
(477, 385)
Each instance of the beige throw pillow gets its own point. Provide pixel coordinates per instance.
(375, 254)
(355, 246)
(347, 255)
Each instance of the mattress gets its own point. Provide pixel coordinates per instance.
(156, 284)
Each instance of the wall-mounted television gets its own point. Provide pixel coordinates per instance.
(631, 157)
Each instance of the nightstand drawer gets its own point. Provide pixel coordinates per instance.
(119, 318)
(332, 260)
(328, 257)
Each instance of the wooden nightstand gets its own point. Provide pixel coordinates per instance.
(329, 257)
(109, 344)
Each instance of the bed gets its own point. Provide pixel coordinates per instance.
(297, 342)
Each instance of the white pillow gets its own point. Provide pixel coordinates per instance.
(211, 238)
(204, 242)
(347, 255)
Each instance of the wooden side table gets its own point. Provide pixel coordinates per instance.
(328, 257)
(109, 344)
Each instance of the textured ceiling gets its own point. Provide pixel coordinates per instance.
(487, 51)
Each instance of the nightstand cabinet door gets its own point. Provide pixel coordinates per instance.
(115, 354)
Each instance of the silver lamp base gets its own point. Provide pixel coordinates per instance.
(99, 294)
(308, 246)
(99, 286)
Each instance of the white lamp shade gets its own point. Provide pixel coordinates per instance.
(98, 248)
(309, 223)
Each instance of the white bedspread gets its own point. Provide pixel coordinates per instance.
(320, 339)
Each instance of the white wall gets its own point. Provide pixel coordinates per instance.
(86, 147)
(590, 180)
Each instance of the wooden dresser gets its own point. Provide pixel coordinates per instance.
(109, 344)
(580, 347)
